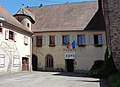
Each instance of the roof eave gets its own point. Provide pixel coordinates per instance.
(32, 20)
(7, 24)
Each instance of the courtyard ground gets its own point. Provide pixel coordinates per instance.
(49, 79)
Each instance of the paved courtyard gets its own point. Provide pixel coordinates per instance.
(49, 79)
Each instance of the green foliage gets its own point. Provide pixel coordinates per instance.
(109, 65)
(115, 80)
(97, 69)
(106, 57)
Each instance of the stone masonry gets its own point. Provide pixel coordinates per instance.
(112, 17)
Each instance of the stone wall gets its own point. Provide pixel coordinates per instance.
(112, 17)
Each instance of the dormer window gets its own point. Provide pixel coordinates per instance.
(28, 25)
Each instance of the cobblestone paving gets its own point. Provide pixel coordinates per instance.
(48, 79)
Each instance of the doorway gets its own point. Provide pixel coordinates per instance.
(34, 62)
(25, 64)
(69, 65)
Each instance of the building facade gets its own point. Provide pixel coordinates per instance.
(67, 37)
(15, 44)
(54, 53)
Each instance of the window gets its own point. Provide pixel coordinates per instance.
(66, 40)
(28, 25)
(0, 30)
(52, 41)
(98, 40)
(16, 61)
(2, 60)
(25, 40)
(81, 40)
(39, 41)
(49, 62)
(11, 35)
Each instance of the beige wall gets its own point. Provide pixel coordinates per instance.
(24, 20)
(85, 56)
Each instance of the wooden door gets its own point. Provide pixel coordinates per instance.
(25, 64)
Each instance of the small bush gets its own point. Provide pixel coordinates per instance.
(97, 69)
(114, 80)
(109, 67)
(103, 69)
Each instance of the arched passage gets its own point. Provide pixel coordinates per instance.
(34, 62)
(49, 62)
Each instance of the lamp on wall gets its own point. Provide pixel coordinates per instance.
(1, 24)
(1, 20)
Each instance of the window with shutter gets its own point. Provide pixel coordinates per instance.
(11, 35)
(81, 40)
(98, 40)
(39, 41)
(66, 40)
(52, 41)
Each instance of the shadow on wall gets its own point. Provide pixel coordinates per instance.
(34, 62)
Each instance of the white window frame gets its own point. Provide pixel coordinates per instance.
(16, 61)
(2, 60)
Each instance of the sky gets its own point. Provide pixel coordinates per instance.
(12, 6)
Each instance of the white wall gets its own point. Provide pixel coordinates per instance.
(10, 48)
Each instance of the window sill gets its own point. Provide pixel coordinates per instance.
(26, 43)
(52, 45)
(98, 45)
(82, 45)
(39, 46)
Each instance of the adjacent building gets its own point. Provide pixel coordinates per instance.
(15, 44)
(67, 37)
(112, 18)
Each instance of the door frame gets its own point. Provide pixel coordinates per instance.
(25, 64)
(66, 64)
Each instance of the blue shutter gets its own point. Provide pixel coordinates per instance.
(99, 39)
(83, 39)
(78, 39)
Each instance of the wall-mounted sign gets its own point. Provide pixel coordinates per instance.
(69, 55)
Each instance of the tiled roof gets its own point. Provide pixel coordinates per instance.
(72, 16)
(11, 20)
(25, 12)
